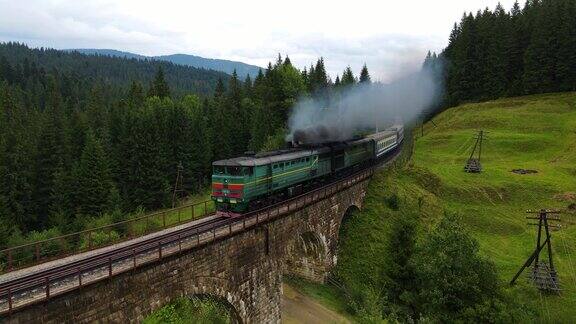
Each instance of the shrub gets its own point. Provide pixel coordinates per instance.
(393, 202)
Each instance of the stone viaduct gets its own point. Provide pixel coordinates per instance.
(243, 269)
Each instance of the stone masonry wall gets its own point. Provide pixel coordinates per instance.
(245, 270)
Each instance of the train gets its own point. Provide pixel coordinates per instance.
(254, 181)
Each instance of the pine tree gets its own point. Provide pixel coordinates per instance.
(364, 75)
(400, 275)
(93, 179)
(136, 94)
(348, 78)
(51, 155)
(159, 86)
(247, 89)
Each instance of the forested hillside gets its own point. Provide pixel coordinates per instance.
(78, 147)
(499, 53)
(80, 72)
(182, 59)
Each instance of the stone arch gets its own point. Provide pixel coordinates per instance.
(346, 216)
(307, 256)
(215, 288)
(352, 209)
(232, 311)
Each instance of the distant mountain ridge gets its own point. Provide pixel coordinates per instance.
(225, 66)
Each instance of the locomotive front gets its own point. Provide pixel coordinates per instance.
(229, 180)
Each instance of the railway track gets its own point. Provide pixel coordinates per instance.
(26, 286)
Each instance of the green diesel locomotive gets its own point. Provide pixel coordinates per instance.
(251, 182)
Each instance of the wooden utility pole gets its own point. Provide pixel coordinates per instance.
(543, 274)
(178, 185)
(473, 164)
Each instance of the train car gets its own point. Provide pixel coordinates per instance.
(251, 182)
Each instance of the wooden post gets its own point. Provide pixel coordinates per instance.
(89, 240)
(549, 243)
(10, 300)
(110, 267)
(193, 212)
(37, 252)
(9, 259)
(539, 237)
(164, 220)
(47, 279)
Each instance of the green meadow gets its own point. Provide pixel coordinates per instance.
(534, 132)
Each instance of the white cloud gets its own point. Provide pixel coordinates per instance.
(390, 36)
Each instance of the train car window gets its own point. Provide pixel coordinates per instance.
(248, 171)
(219, 169)
(275, 166)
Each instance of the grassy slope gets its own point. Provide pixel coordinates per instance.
(535, 132)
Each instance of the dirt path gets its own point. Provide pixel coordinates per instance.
(299, 308)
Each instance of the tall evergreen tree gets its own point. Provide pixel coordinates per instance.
(93, 179)
(364, 75)
(348, 78)
(159, 87)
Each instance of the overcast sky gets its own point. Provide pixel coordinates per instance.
(392, 37)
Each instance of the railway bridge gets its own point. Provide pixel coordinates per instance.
(239, 261)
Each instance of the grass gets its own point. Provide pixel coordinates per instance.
(533, 132)
(192, 310)
(325, 294)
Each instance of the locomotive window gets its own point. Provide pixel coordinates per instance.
(234, 170)
(248, 171)
(219, 169)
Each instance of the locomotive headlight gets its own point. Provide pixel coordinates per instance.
(232, 201)
(220, 200)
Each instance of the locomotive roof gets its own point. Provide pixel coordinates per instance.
(269, 157)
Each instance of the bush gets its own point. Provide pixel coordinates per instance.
(28, 255)
(455, 283)
(393, 202)
(99, 238)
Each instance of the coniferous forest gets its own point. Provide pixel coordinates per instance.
(501, 53)
(85, 136)
(82, 136)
